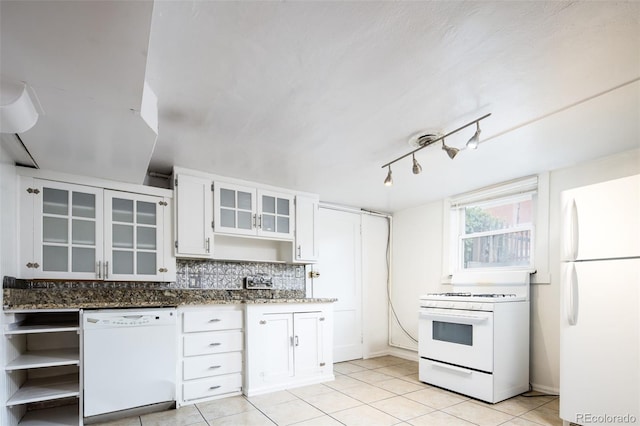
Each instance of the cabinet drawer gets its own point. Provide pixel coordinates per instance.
(209, 387)
(212, 343)
(212, 365)
(212, 320)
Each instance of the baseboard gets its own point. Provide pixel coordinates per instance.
(403, 353)
(545, 389)
(289, 385)
(375, 354)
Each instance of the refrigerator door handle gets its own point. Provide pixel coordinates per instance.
(573, 298)
(572, 232)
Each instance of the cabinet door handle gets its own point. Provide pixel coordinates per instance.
(213, 367)
(215, 344)
(163, 270)
(208, 245)
(299, 250)
(106, 270)
(297, 341)
(254, 221)
(263, 322)
(99, 269)
(36, 265)
(215, 320)
(214, 387)
(260, 221)
(291, 340)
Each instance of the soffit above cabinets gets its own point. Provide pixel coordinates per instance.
(86, 63)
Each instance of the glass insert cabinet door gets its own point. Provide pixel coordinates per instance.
(235, 209)
(133, 235)
(275, 217)
(67, 231)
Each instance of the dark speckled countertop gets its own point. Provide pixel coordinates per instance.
(95, 298)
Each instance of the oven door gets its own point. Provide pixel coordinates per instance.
(458, 337)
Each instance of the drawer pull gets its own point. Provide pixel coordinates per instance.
(214, 387)
(215, 320)
(215, 344)
(214, 367)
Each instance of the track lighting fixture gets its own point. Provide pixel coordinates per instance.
(389, 180)
(426, 140)
(417, 168)
(451, 151)
(475, 139)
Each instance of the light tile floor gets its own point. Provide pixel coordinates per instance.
(378, 391)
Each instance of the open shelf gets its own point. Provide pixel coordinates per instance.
(19, 328)
(66, 415)
(45, 389)
(45, 358)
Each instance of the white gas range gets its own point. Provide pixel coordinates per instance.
(475, 339)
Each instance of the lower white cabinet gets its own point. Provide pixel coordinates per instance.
(211, 352)
(287, 345)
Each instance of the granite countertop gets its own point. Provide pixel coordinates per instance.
(95, 298)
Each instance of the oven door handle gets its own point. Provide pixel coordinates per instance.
(450, 367)
(470, 319)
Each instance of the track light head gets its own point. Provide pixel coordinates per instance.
(388, 180)
(417, 168)
(475, 139)
(451, 151)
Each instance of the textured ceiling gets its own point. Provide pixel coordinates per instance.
(316, 96)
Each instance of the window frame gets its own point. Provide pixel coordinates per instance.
(500, 194)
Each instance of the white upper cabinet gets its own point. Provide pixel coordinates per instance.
(134, 236)
(194, 216)
(235, 209)
(306, 244)
(276, 225)
(275, 214)
(70, 231)
(244, 210)
(61, 230)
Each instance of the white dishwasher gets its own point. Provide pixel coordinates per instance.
(129, 358)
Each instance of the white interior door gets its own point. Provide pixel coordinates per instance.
(340, 268)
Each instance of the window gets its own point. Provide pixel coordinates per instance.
(494, 227)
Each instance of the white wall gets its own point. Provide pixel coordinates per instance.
(8, 239)
(375, 334)
(417, 264)
(8, 215)
(416, 267)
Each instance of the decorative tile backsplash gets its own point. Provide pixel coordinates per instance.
(213, 274)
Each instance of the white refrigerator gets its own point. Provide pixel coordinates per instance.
(600, 303)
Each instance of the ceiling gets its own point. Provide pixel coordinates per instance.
(317, 96)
